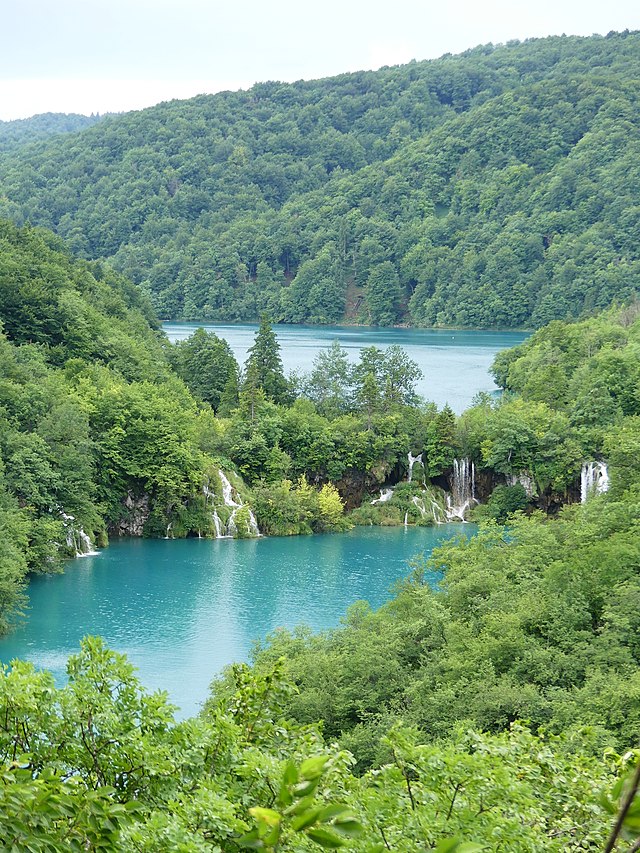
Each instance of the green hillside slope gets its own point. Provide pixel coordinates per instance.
(495, 188)
(24, 130)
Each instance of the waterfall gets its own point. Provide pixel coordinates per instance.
(217, 524)
(234, 505)
(436, 512)
(169, 526)
(419, 504)
(385, 495)
(227, 491)
(594, 479)
(77, 540)
(253, 524)
(412, 462)
(463, 489)
(406, 519)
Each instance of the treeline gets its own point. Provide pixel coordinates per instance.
(494, 188)
(26, 130)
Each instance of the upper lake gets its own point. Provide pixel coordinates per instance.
(455, 364)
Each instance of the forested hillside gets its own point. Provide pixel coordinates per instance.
(22, 131)
(494, 188)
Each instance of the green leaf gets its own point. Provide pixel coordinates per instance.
(305, 819)
(312, 768)
(325, 838)
(268, 816)
(303, 789)
(349, 827)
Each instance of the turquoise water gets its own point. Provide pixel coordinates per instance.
(455, 364)
(183, 609)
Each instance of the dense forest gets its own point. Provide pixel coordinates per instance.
(20, 131)
(494, 188)
(493, 709)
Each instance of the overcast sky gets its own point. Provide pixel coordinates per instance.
(114, 55)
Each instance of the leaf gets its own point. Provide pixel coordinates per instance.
(325, 838)
(312, 768)
(350, 827)
(305, 819)
(268, 816)
(303, 789)
(333, 811)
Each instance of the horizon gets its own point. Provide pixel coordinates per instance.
(119, 56)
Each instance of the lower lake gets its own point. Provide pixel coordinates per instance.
(182, 610)
(455, 364)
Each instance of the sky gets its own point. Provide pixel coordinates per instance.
(97, 56)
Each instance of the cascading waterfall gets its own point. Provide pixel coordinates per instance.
(77, 540)
(227, 491)
(385, 495)
(594, 479)
(463, 489)
(234, 504)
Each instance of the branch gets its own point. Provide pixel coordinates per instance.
(615, 832)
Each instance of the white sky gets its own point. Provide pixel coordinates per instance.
(113, 55)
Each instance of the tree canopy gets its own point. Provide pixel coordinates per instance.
(495, 188)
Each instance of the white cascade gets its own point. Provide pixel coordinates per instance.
(463, 489)
(419, 504)
(385, 495)
(217, 524)
(169, 526)
(406, 519)
(412, 462)
(594, 479)
(77, 540)
(436, 512)
(234, 505)
(227, 491)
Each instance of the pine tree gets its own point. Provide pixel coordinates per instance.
(263, 367)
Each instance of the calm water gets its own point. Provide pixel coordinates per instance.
(184, 609)
(455, 364)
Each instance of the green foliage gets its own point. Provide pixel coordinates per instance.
(263, 369)
(495, 188)
(503, 502)
(531, 624)
(101, 764)
(208, 367)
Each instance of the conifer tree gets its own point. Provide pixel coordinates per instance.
(263, 367)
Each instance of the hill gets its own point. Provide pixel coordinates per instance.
(494, 188)
(24, 130)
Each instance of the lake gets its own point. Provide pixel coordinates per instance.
(183, 609)
(455, 364)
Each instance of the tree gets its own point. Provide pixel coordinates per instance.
(207, 365)
(263, 368)
(329, 383)
(383, 295)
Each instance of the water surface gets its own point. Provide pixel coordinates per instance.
(183, 609)
(455, 364)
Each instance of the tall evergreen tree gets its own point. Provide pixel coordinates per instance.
(263, 367)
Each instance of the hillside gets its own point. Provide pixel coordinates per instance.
(97, 434)
(494, 188)
(22, 131)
